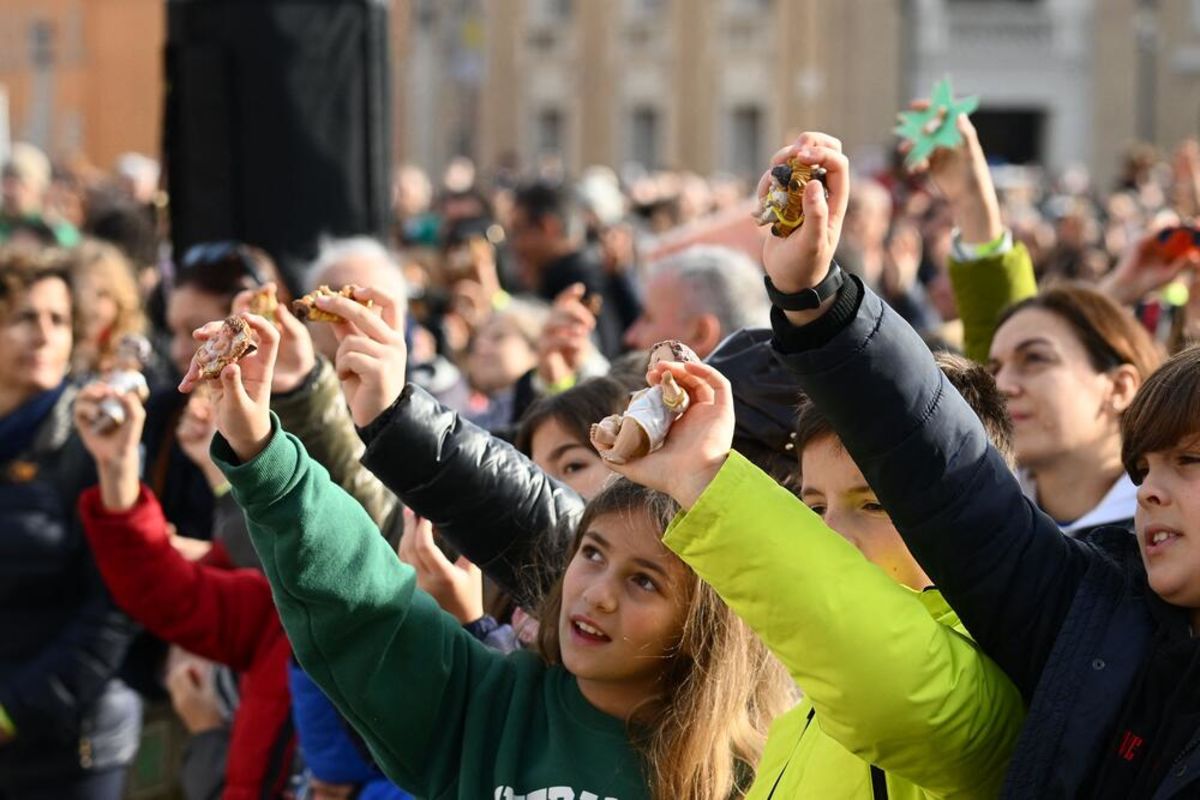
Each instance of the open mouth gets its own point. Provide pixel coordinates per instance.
(587, 631)
(1159, 539)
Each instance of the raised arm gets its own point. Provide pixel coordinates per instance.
(374, 642)
(1003, 565)
(889, 681)
(490, 501)
(356, 622)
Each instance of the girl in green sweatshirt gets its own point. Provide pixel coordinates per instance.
(646, 686)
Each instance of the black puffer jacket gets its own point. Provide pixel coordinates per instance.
(61, 638)
(498, 507)
(1068, 621)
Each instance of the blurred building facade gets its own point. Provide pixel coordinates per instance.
(703, 85)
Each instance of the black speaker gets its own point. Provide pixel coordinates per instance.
(278, 123)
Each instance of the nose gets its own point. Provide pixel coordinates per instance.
(1007, 382)
(1153, 492)
(842, 526)
(600, 595)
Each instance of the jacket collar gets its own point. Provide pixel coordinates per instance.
(1116, 507)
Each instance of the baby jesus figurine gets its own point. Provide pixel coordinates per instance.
(133, 351)
(643, 427)
(782, 207)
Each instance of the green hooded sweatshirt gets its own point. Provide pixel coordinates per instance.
(890, 676)
(444, 716)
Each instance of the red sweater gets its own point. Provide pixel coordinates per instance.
(225, 616)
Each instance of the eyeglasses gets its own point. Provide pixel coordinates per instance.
(209, 256)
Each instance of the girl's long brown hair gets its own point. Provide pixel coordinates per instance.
(702, 736)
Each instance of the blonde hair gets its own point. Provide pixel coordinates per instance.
(702, 736)
(111, 270)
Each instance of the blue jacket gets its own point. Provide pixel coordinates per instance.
(329, 752)
(62, 640)
(1068, 621)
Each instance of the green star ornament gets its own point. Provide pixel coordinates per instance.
(935, 126)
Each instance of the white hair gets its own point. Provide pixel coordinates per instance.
(333, 252)
(723, 282)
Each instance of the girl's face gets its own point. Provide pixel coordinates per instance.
(624, 601)
(1165, 521)
(1059, 404)
(188, 309)
(36, 338)
(836, 490)
(561, 455)
(499, 355)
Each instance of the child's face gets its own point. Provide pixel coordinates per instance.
(836, 490)
(499, 355)
(1166, 523)
(556, 450)
(623, 608)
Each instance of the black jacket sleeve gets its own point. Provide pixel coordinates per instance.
(1002, 564)
(483, 495)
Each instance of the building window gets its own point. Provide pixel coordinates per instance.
(1012, 135)
(548, 134)
(643, 137)
(745, 140)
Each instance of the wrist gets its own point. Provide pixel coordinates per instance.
(691, 485)
(119, 486)
(247, 447)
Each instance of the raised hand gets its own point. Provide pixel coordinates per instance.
(371, 355)
(457, 587)
(802, 260)
(566, 342)
(115, 449)
(241, 396)
(1142, 269)
(699, 441)
(962, 176)
(297, 357)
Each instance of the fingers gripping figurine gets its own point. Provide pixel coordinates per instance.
(643, 427)
(782, 206)
(126, 376)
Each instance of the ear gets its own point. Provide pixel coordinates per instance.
(1125, 383)
(705, 333)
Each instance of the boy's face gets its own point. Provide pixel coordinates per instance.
(1167, 532)
(836, 490)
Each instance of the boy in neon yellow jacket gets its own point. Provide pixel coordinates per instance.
(899, 701)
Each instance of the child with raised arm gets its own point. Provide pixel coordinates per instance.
(1097, 635)
(899, 702)
(646, 684)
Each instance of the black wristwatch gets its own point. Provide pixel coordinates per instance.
(808, 299)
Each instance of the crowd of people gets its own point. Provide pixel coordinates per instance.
(924, 530)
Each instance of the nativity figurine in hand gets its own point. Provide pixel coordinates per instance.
(643, 427)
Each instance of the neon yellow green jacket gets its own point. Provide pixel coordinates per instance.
(890, 675)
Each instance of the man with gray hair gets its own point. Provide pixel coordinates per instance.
(360, 260)
(699, 297)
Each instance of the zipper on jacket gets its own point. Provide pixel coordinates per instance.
(878, 783)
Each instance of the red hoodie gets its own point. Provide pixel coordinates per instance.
(223, 615)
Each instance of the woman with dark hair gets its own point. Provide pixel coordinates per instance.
(68, 727)
(1069, 361)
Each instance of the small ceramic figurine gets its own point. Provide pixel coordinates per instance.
(643, 427)
(782, 207)
(233, 342)
(305, 308)
(133, 351)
